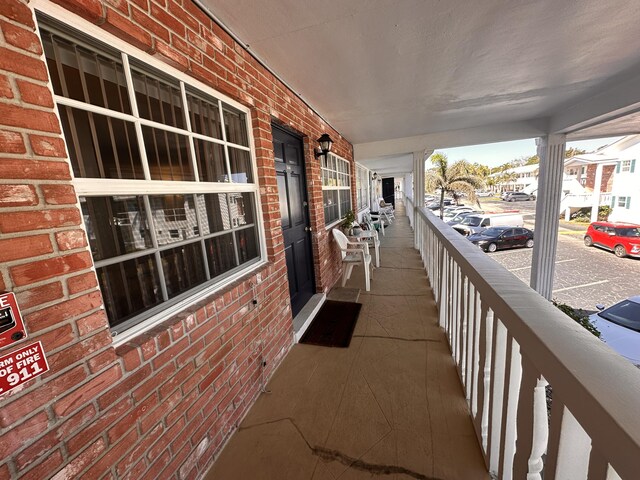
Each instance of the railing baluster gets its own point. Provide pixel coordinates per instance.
(569, 446)
(486, 361)
(510, 407)
(498, 369)
(471, 338)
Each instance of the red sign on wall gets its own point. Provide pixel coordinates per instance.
(21, 366)
(11, 325)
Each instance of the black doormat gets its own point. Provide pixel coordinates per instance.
(333, 325)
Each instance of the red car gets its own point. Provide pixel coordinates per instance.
(621, 238)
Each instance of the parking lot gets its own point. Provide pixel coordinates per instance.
(583, 276)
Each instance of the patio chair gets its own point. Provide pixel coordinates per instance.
(353, 253)
(387, 209)
(370, 235)
(377, 223)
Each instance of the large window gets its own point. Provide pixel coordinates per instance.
(362, 186)
(336, 188)
(164, 172)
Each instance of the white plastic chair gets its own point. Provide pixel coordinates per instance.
(353, 253)
(370, 235)
(376, 223)
(387, 209)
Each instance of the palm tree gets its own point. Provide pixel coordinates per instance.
(451, 179)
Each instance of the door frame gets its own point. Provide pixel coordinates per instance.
(308, 220)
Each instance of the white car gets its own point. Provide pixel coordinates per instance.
(619, 327)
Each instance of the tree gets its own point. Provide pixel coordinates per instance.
(572, 152)
(452, 179)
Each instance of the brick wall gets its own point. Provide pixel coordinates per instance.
(607, 177)
(161, 405)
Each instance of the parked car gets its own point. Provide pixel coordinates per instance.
(435, 205)
(623, 239)
(504, 195)
(499, 238)
(518, 196)
(619, 327)
(451, 211)
(480, 221)
(459, 217)
(484, 194)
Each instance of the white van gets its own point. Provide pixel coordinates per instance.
(477, 223)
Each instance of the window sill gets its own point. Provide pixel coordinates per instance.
(154, 326)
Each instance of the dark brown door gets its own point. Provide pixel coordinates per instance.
(292, 189)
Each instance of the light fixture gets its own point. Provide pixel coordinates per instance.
(325, 145)
(374, 176)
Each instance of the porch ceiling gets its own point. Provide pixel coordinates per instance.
(397, 77)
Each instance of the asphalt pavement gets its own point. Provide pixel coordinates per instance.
(584, 276)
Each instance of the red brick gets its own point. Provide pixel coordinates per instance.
(18, 196)
(6, 91)
(21, 38)
(39, 295)
(79, 351)
(139, 451)
(11, 142)
(53, 267)
(153, 382)
(169, 21)
(20, 64)
(124, 387)
(14, 168)
(24, 247)
(91, 10)
(129, 420)
(3, 286)
(130, 357)
(52, 463)
(71, 239)
(17, 116)
(150, 24)
(57, 338)
(15, 438)
(91, 323)
(13, 222)
(87, 435)
(18, 408)
(80, 283)
(47, 146)
(87, 392)
(59, 194)
(171, 56)
(34, 452)
(112, 456)
(102, 360)
(82, 461)
(128, 31)
(62, 311)
(17, 11)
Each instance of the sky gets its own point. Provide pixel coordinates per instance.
(494, 154)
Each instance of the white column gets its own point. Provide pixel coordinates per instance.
(418, 191)
(595, 199)
(551, 153)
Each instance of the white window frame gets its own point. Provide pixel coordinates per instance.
(326, 174)
(116, 187)
(622, 202)
(625, 166)
(363, 188)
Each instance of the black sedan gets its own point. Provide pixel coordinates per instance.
(497, 238)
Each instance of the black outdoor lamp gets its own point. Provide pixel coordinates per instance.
(325, 145)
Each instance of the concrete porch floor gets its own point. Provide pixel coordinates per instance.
(390, 406)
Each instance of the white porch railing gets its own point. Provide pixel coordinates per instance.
(508, 342)
(408, 202)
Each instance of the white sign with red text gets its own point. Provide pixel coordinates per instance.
(21, 366)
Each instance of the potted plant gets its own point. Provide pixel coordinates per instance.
(349, 222)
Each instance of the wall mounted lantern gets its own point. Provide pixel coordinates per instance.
(325, 146)
(374, 177)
